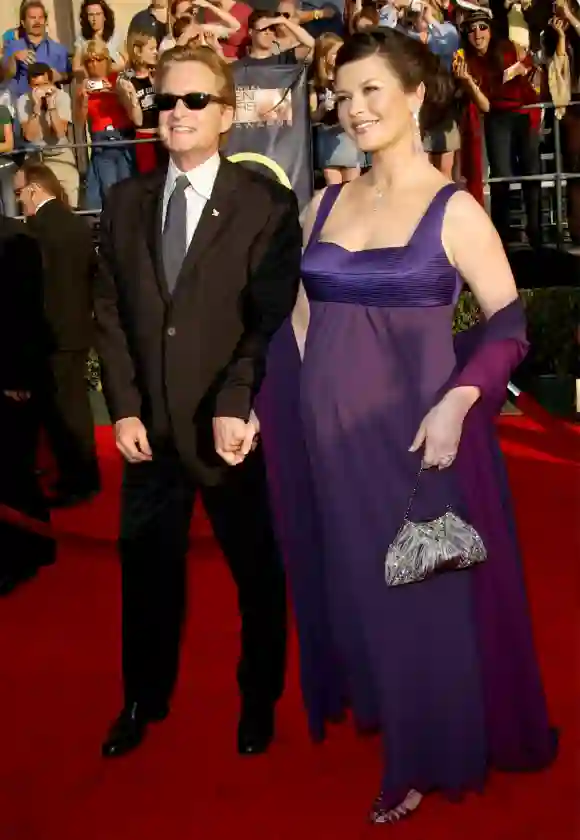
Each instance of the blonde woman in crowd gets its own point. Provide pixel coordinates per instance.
(337, 154)
(99, 106)
(137, 92)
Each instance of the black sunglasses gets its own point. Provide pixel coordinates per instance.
(194, 101)
(478, 27)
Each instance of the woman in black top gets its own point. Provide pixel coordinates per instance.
(137, 91)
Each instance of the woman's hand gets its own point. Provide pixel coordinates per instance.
(440, 431)
(460, 70)
(559, 25)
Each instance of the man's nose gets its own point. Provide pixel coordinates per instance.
(180, 109)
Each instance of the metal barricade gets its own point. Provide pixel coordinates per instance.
(559, 178)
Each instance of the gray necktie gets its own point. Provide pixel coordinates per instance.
(175, 232)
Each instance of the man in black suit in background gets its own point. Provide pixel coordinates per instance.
(69, 260)
(23, 359)
(200, 266)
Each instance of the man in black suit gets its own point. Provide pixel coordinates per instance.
(69, 260)
(200, 266)
(23, 358)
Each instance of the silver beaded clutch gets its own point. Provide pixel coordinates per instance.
(422, 549)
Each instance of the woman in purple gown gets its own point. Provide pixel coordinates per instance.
(444, 668)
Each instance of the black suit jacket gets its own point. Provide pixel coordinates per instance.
(23, 336)
(69, 262)
(177, 360)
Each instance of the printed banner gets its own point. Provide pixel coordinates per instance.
(271, 131)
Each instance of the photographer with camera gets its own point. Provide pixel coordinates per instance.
(45, 115)
(98, 104)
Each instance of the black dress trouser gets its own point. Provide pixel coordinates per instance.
(19, 488)
(67, 419)
(157, 503)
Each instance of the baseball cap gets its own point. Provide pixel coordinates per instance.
(476, 6)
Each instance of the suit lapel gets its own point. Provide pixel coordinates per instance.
(152, 207)
(213, 221)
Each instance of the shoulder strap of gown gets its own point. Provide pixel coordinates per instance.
(330, 195)
(428, 231)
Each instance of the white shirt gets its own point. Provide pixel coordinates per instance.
(202, 180)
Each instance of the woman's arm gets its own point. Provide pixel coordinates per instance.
(473, 246)
(305, 40)
(470, 86)
(231, 23)
(81, 104)
(301, 312)
(129, 101)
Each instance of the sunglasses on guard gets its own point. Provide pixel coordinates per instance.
(479, 27)
(193, 101)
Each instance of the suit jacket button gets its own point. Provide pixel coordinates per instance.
(171, 331)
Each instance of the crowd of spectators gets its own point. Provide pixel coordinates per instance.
(505, 60)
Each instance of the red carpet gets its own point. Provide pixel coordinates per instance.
(60, 687)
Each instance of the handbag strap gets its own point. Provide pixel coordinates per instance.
(413, 494)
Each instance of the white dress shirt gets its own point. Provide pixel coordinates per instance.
(201, 180)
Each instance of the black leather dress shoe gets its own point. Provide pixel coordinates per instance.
(129, 729)
(255, 730)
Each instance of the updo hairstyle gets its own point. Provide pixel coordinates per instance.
(412, 63)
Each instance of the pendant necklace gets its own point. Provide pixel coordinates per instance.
(379, 195)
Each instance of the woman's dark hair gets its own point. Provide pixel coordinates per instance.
(412, 63)
(87, 29)
(494, 54)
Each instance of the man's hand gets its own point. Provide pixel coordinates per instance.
(131, 439)
(229, 434)
(234, 439)
(24, 56)
(51, 99)
(37, 97)
(17, 396)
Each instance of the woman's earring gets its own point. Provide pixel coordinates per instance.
(418, 140)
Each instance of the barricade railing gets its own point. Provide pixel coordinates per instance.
(559, 177)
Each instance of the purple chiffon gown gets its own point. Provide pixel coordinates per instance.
(445, 669)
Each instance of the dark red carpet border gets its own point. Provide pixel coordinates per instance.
(60, 687)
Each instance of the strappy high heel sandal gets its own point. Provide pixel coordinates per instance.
(380, 815)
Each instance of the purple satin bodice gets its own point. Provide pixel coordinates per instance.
(413, 275)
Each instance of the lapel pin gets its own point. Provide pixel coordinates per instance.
(215, 212)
